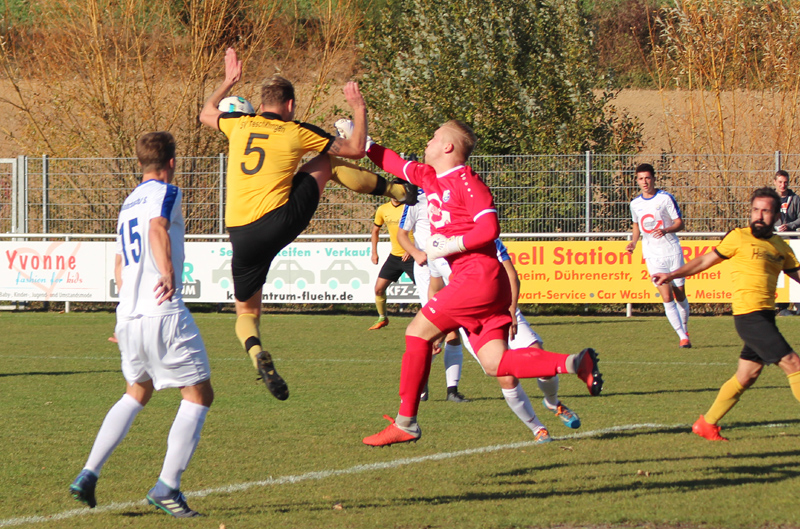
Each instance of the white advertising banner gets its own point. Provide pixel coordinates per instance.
(305, 272)
(55, 271)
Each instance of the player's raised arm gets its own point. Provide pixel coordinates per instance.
(209, 115)
(354, 145)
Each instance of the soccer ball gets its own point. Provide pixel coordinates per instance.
(236, 104)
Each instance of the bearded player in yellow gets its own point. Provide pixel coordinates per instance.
(758, 256)
(268, 204)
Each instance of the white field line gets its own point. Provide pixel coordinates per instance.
(324, 474)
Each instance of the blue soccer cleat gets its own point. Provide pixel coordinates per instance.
(567, 416)
(171, 501)
(82, 489)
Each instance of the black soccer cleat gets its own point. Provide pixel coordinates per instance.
(275, 383)
(589, 372)
(411, 191)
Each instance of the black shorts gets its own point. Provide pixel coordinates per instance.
(255, 245)
(394, 267)
(763, 342)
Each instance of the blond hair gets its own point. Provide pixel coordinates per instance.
(276, 91)
(462, 137)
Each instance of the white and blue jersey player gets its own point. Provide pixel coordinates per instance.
(159, 343)
(656, 218)
(145, 354)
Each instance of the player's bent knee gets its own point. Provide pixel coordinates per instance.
(202, 393)
(790, 363)
(508, 382)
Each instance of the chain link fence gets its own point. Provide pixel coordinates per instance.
(586, 192)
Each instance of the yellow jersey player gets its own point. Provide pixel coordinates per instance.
(268, 203)
(389, 215)
(758, 257)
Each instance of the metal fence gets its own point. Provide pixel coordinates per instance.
(586, 192)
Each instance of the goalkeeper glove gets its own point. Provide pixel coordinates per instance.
(440, 246)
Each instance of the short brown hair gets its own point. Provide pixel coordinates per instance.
(767, 192)
(154, 150)
(276, 91)
(464, 138)
(645, 168)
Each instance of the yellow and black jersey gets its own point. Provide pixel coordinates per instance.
(390, 215)
(263, 154)
(757, 263)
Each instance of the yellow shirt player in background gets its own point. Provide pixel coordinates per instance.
(758, 257)
(269, 201)
(399, 261)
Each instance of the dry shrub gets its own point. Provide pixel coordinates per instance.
(102, 73)
(736, 61)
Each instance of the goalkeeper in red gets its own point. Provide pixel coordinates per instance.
(464, 226)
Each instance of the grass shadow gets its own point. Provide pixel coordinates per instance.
(56, 373)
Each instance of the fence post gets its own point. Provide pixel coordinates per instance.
(26, 202)
(777, 161)
(45, 174)
(18, 198)
(588, 170)
(221, 209)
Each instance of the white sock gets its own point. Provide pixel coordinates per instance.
(183, 438)
(453, 358)
(114, 429)
(683, 310)
(671, 309)
(519, 403)
(549, 387)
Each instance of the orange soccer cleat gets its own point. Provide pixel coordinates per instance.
(382, 322)
(390, 435)
(706, 430)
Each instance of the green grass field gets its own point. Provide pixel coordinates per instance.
(264, 463)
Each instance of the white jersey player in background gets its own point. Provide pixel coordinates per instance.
(656, 218)
(521, 335)
(159, 341)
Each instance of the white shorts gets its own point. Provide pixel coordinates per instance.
(422, 278)
(440, 268)
(167, 349)
(524, 338)
(665, 265)
(525, 334)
